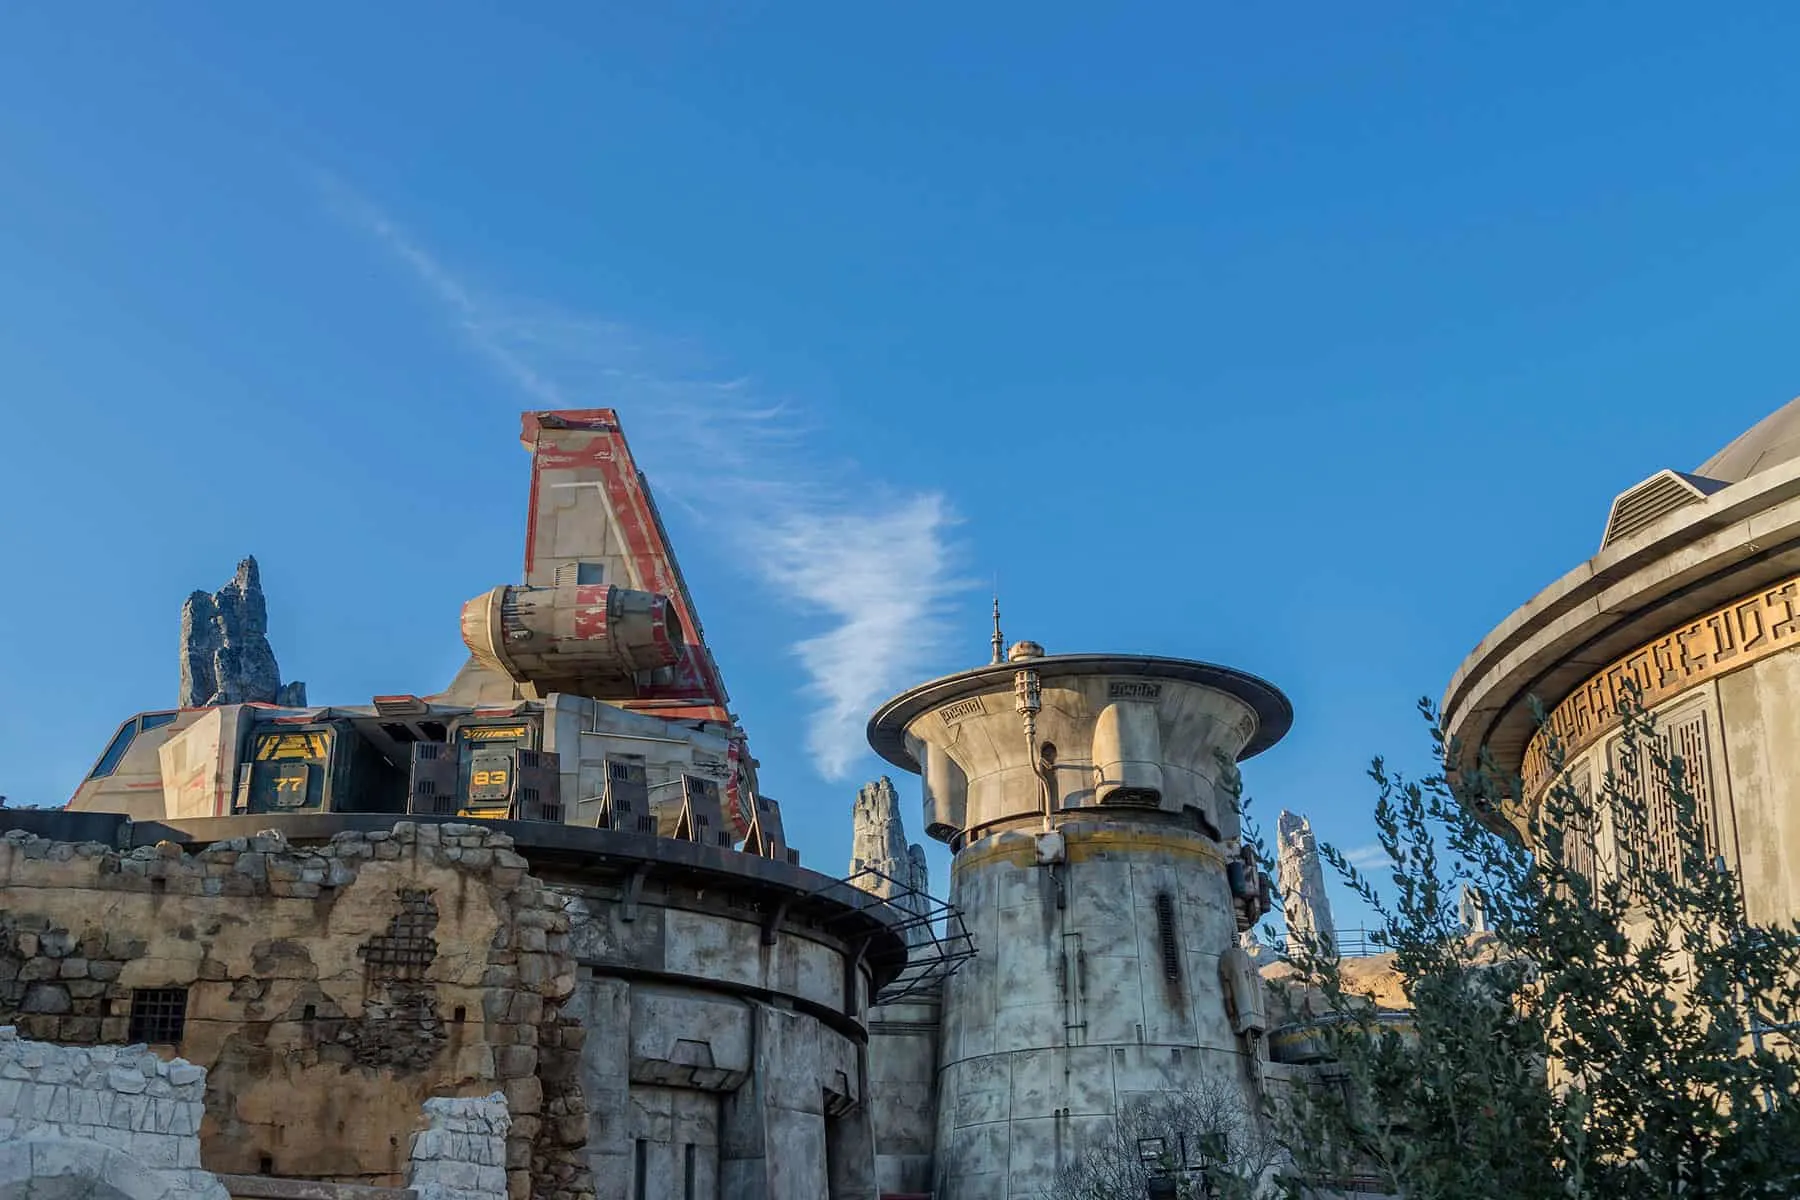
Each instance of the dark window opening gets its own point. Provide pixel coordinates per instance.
(434, 731)
(687, 1177)
(159, 883)
(309, 1013)
(115, 751)
(640, 1185)
(151, 721)
(265, 1165)
(158, 1015)
(460, 1015)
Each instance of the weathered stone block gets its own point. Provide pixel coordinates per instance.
(46, 998)
(524, 1096)
(514, 1062)
(80, 1029)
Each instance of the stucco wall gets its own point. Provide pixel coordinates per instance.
(330, 989)
(640, 1017)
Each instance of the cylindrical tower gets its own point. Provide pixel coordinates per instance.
(1089, 801)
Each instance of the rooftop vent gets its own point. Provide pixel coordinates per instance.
(1656, 497)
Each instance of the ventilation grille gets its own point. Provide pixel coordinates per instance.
(1165, 929)
(1638, 507)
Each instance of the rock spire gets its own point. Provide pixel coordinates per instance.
(225, 652)
(1301, 881)
(878, 843)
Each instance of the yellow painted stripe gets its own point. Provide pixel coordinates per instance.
(1021, 851)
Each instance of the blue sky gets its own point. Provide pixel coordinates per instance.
(1310, 339)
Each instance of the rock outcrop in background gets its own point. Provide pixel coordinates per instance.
(878, 843)
(1301, 880)
(225, 653)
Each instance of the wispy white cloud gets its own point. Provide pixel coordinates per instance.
(877, 566)
(1365, 857)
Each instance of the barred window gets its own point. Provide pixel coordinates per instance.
(158, 1015)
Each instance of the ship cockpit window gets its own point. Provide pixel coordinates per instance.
(150, 721)
(115, 752)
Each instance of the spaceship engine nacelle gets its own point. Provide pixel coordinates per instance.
(587, 639)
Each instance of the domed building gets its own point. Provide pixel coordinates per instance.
(1694, 595)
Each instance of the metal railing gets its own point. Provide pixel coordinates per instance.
(1350, 943)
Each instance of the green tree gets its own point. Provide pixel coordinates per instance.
(1620, 1036)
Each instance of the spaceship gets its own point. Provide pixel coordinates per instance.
(589, 697)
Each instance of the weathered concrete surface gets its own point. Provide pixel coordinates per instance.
(903, 1060)
(107, 1119)
(716, 1058)
(1077, 1002)
(1300, 878)
(330, 989)
(1091, 854)
(225, 653)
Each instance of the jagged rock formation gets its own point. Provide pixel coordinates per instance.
(878, 843)
(1301, 881)
(225, 652)
(1470, 911)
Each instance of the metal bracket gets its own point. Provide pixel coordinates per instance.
(771, 927)
(634, 887)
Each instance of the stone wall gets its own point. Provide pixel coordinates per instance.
(108, 1117)
(461, 1153)
(330, 990)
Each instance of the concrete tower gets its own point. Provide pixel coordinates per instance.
(1089, 804)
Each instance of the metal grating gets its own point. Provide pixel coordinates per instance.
(158, 1015)
(1653, 839)
(1578, 830)
(1165, 932)
(1637, 508)
(407, 949)
(939, 943)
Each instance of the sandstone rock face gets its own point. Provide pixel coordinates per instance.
(225, 652)
(878, 842)
(1301, 881)
(113, 1120)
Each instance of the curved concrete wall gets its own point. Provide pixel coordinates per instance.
(1096, 981)
(1739, 735)
(1164, 736)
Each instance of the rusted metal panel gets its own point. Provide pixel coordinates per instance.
(537, 787)
(432, 787)
(626, 803)
(766, 836)
(702, 819)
